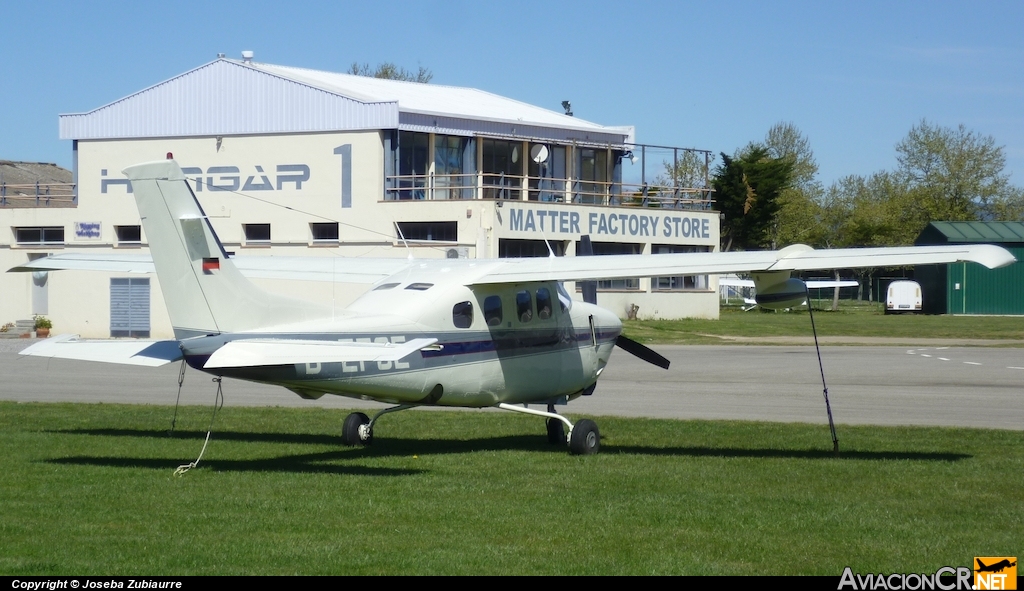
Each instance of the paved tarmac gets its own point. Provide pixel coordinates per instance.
(917, 384)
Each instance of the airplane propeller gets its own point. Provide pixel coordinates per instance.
(627, 344)
(642, 351)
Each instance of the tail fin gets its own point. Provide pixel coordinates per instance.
(203, 290)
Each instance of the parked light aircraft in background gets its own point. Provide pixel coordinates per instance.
(733, 281)
(462, 333)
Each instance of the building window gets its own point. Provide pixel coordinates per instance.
(39, 236)
(324, 233)
(428, 231)
(256, 234)
(514, 248)
(502, 166)
(128, 235)
(679, 282)
(450, 172)
(413, 150)
(593, 176)
(603, 248)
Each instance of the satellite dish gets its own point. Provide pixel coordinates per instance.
(515, 155)
(539, 153)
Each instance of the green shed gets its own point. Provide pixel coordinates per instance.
(969, 288)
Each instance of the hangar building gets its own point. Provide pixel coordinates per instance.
(288, 161)
(969, 288)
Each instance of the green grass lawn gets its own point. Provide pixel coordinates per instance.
(853, 319)
(88, 489)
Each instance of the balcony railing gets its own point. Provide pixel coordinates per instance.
(444, 187)
(38, 195)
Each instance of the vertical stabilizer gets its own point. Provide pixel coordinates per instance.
(203, 290)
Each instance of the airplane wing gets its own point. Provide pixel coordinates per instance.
(255, 352)
(337, 269)
(371, 270)
(127, 352)
(793, 258)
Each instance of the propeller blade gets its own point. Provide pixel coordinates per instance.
(589, 288)
(642, 351)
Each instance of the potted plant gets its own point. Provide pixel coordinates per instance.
(43, 326)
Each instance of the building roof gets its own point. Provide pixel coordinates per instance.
(433, 99)
(971, 232)
(233, 97)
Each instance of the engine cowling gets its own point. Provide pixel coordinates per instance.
(777, 290)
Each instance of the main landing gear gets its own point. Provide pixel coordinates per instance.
(358, 428)
(584, 438)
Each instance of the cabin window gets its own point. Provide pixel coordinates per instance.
(543, 303)
(462, 314)
(524, 306)
(492, 310)
(419, 286)
(384, 286)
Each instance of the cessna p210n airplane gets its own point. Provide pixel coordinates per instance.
(462, 333)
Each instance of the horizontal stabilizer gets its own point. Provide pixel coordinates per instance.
(259, 352)
(126, 352)
(117, 263)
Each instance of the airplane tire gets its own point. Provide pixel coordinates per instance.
(585, 439)
(350, 429)
(556, 432)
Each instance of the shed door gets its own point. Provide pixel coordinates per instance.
(129, 307)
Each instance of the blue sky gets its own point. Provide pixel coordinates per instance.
(854, 77)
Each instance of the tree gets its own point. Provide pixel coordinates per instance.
(390, 71)
(955, 174)
(1008, 207)
(785, 141)
(747, 189)
(799, 203)
(689, 171)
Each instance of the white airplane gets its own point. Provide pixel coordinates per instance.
(461, 333)
(733, 281)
